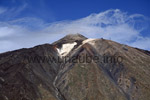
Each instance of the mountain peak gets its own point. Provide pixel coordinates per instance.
(77, 35)
(70, 38)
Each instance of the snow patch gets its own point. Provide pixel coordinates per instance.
(66, 48)
(90, 41)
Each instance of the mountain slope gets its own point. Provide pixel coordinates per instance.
(129, 77)
(23, 77)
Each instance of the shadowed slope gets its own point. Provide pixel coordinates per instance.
(23, 77)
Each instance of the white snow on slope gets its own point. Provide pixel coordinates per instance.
(90, 41)
(66, 48)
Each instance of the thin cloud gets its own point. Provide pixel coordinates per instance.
(111, 24)
(9, 13)
(2, 10)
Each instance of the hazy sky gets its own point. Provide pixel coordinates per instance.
(26, 23)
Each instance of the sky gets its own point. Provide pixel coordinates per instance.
(27, 23)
